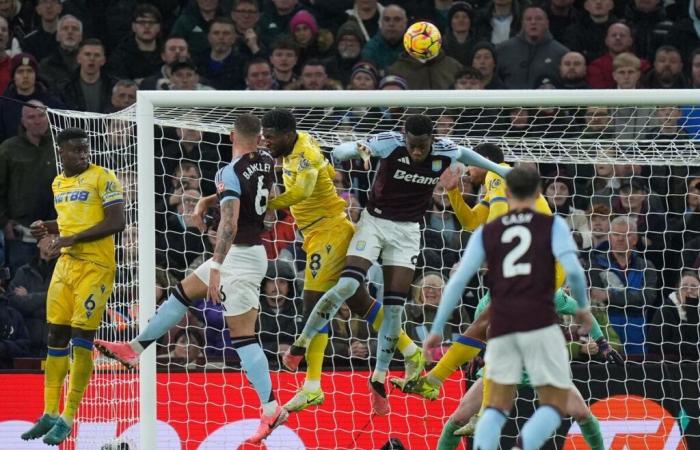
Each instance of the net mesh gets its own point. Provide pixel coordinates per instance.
(588, 157)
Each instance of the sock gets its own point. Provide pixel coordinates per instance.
(486, 392)
(460, 352)
(488, 430)
(539, 427)
(448, 440)
(326, 308)
(57, 363)
(80, 373)
(167, 316)
(269, 408)
(255, 365)
(590, 428)
(314, 358)
(375, 317)
(390, 330)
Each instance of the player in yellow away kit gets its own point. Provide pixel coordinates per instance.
(90, 207)
(319, 213)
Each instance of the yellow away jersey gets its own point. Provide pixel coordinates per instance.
(324, 201)
(80, 201)
(495, 196)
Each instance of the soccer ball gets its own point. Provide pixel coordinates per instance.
(422, 41)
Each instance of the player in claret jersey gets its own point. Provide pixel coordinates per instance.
(520, 249)
(234, 273)
(410, 166)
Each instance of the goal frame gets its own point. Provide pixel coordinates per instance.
(147, 101)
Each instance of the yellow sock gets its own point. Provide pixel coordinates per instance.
(314, 356)
(80, 373)
(485, 400)
(375, 317)
(57, 363)
(460, 352)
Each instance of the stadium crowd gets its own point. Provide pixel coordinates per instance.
(638, 227)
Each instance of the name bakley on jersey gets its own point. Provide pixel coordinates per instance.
(414, 177)
(255, 167)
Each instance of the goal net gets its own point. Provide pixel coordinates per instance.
(602, 155)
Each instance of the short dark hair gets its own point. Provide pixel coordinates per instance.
(224, 21)
(285, 43)
(247, 125)
(490, 151)
(523, 182)
(145, 10)
(666, 49)
(256, 60)
(70, 133)
(91, 41)
(279, 119)
(313, 62)
(419, 125)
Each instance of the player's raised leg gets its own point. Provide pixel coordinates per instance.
(468, 407)
(577, 408)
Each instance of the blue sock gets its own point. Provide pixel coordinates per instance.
(389, 333)
(488, 429)
(255, 365)
(326, 308)
(539, 427)
(167, 316)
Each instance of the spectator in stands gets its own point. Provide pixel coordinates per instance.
(421, 308)
(685, 34)
(193, 24)
(498, 21)
(386, 46)
(559, 193)
(245, 15)
(27, 294)
(458, 40)
(284, 57)
(305, 32)
(599, 216)
(14, 337)
(673, 331)
(442, 235)
(365, 77)
(42, 41)
(26, 85)
(90, 89)
(695, 69)
(62, 63)
(275, 20)
(174, 49)
(259, 75)
(279, 232)
(189, 146)
(5, 58)
(437, 73)
(123, 95)
(279, 308)
(367, 14)
(600, 183)
(622, 279)
(184, 344)
(27, 169)
(532, 54)
(350, 338)
(314, 77)
(221, 66)
(186, 175)
(349, 41)
(469, 79)
(587, 36)
(138, 56)
(668, 70)
(572, 71)
(582, 348)
(651, 26)
(184, 77)
(484, 60)
(617, 40)
(562, 15)
(19, 17)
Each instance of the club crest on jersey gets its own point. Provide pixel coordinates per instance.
(437, 165)
(495, 183)
(303, 163)
(360, 245)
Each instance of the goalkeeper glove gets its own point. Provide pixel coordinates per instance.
(474, 365)
(609, 353)
(365, 154)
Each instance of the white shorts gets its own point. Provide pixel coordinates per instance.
(242, 273)
(398, 243)
(543, 353)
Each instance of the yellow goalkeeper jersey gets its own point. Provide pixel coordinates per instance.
(308, 183)
(80, 201)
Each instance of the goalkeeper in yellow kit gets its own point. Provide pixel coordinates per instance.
(90, 207)
(319, 213)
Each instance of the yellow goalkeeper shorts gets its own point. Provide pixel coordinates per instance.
(78, 293)
(326, 248)
(559, 276)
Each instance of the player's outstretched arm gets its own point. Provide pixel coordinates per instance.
(113, 223)
(40, 228)
(200, 210)
(225, 234)
(469, 157)
(301, 190)
(470, 218)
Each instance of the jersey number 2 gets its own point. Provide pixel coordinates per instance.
(511, 266)
(261, 196)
